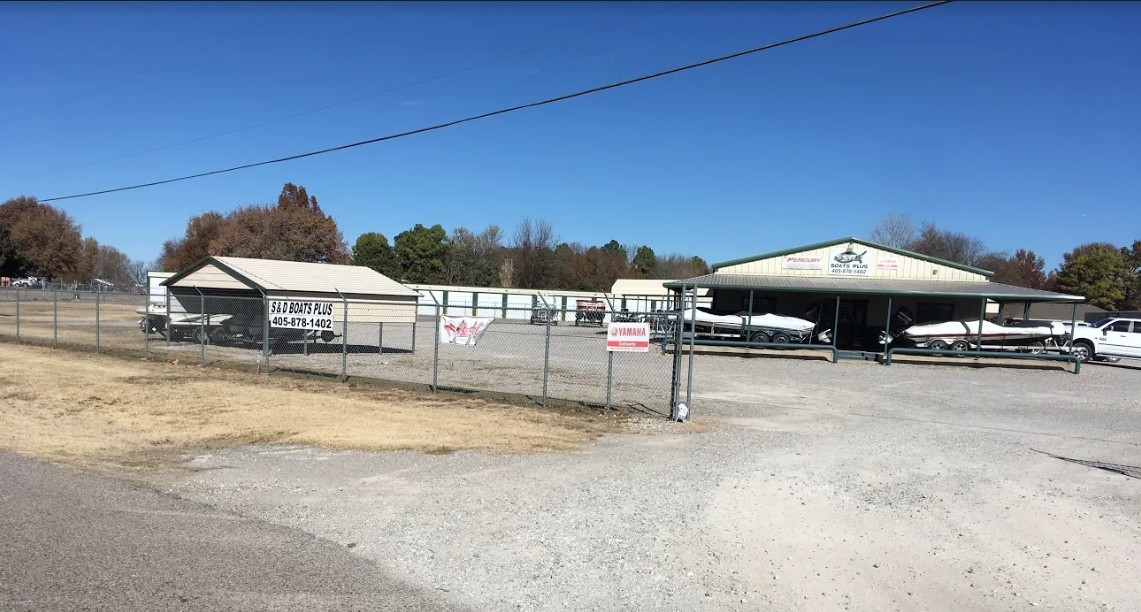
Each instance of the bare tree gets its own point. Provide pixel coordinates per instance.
(895, 230)
(952, 246)
(534, 253)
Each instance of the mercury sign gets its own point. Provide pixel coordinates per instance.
(628, 337)
(852, 260)
(802, 262)
(290, 314)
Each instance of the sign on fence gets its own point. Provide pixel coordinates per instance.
(628, 337)
(291, 314)
(464, 331)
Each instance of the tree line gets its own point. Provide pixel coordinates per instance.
(1108, 276)
(37, 239)
(296, 229)
(533, 259)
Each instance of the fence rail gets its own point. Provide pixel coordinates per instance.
(547, 354)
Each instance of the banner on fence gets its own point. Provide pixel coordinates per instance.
(464, 331)
(628, 337)
(290, 314)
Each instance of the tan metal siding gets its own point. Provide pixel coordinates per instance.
(910, 268)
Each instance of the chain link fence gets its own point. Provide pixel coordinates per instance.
(548, 354)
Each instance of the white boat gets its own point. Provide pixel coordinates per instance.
(766, 327)
(965, 335)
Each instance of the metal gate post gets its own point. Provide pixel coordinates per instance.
(380, 340)
(675, 382)
(146, 333)
(435, 351)
(17, 315)
(55, 317)
(201, 326)
(414, 330)
(692, 343)
(265, 330)
(344, 340)
(546, 357)
(97, 325)
(169, 327)
(609, 376)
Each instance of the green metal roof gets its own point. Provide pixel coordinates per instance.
(882, 247)
(872, 286)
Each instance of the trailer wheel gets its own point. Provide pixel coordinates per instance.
(201, 336)
(1035, 348)
(781, 338)
(961, 346)
(759, 337)
(327, 336)
(937, 345)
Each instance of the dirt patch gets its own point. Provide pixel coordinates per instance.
(87, 409)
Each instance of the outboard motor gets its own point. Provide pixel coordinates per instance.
(900, 321)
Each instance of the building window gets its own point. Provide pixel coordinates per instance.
(934, 313)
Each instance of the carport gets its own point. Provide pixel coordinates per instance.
(286, 300)
(856, 288)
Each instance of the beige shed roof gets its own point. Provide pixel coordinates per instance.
(276, 276)
(643, 286)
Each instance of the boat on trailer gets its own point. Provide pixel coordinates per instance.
(965, 336)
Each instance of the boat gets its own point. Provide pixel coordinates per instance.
(767, 327)
(965, 335)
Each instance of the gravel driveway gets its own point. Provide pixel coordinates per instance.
(800, 485)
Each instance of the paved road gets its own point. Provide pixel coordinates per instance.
(76, 541)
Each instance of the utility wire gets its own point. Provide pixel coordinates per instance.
(504, 111)
(378, 93)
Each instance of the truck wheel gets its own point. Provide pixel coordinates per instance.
(1083, 351)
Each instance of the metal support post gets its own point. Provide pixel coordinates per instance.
(609, 376)
(55, 317)
(435, 352)
(836, 327)
(414, 331)
(380, 340)
(146, 333)
(344, 338)
(692, 342)
(17, 315)
(675, 381)
(1025, 312)
(546, 356)
(98, 327)
(305, 342)
(982, 316)
(265, 331)
(886, 330)
(169, 327)
(201, 326)
(1073, 328)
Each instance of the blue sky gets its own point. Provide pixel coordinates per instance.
(1017, 123)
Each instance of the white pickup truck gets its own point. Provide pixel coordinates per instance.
(1113, 337)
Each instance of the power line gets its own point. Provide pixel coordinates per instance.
(378, 93)
(504, 111)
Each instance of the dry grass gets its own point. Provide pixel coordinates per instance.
(86, 409)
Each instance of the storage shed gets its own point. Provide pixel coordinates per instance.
(228, 286)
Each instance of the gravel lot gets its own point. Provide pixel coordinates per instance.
(800, 485)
